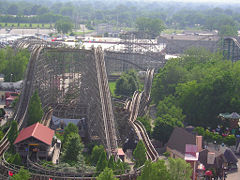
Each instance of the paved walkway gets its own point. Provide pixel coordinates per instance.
(235, 175)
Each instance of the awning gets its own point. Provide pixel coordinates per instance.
(233, 115)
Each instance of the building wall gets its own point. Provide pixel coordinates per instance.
(23, 148)
(175, 46)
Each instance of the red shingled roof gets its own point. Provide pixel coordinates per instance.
(38, 131)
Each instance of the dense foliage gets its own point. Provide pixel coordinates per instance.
(35, 111)
(154, 171)
(102, 162)
(13, 64)
(175, 15)
(153, 27)
(63, 26)
(73, 147)
(146, 121)
(139, 154)
(107, 174)
(2, 112)
(23, 174)
(15, 159)
(70, 128)
(1, 134)
(177, 169)
(199, 85)
(99, 159)
(96, 153)
(127, 84)
(12, 134)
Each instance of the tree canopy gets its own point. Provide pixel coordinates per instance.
(139, 154)
(127, 84)
(102, 162)
(35, 111)
(63, 26)
(179, 169)
(154, 171)
(13, 64)
(151, 26)
(23, 174)
(174, 169)
(107, 174)
(72, 149)
(13, 133)
(96, 153)
(195, 88)
(69, 129)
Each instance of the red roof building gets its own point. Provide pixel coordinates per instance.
(35, 142)
(38, 131)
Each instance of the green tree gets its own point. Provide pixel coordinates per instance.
(35, 111)
(228, 30)
(96, 153)
(168, 106)
(155, 171)
(73, 148)
(69, 129)
(13, 64)
(208, 136)
(162, 130)
(107, 174)
(139, 154)
(127, 84)
(13, 9)
(230, 140)
(2, 112)
(151, 26)
(179, 169)
(102, 162)
(121, 167)
(111, 163)
(13, 133)
(217, 138)
(63, 26)
(15, 159)
(23, 174)
(200, 131)
(146, 122)
(1, 134)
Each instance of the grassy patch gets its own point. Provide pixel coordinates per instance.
(171, 31)
(112, 86)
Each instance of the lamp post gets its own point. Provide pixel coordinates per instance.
(11, 77)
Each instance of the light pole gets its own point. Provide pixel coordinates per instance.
(11, 77)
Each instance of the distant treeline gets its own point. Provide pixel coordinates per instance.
(44, 18)
(121, 13)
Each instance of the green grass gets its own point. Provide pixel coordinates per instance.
(112, 86)
(25, 25)
(171, 31)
